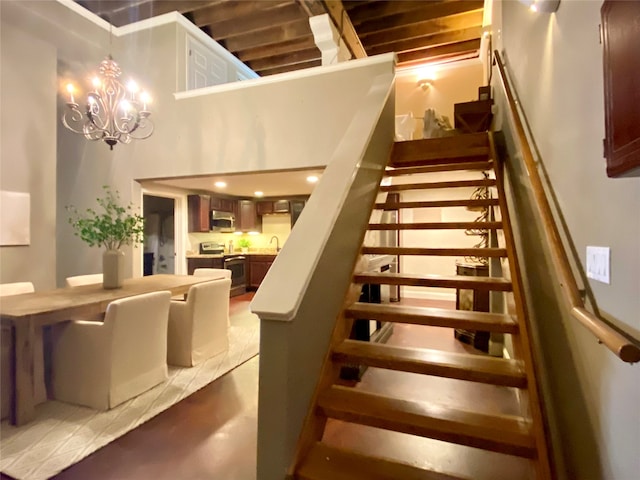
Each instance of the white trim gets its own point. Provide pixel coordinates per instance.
(288, 76)
(414, 69)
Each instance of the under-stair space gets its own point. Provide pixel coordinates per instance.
(429, 406)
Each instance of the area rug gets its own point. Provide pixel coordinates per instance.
(63, 434)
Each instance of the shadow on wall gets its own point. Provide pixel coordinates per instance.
(566, 406)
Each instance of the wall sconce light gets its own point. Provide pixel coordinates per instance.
(546, 6)
(424, 83)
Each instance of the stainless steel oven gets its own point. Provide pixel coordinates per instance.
(238, 267)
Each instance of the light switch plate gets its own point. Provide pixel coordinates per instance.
(598, 264)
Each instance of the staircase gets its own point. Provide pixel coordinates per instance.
(502, 436)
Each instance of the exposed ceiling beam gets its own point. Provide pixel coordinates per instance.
(341, 20)
(255, 23)
(429, 41)
(429, 12)
(280, 49)
(431, 53)
(312, 7)
(298, 66)
(430, 27)
(365, 11)
(286, 60)
(273, 35)
(229, 10)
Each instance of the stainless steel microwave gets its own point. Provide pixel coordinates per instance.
(223, 222)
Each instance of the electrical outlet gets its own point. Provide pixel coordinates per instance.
(598, 264)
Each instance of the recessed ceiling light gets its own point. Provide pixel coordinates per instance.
(312, 179)
(258, 194)
(220, 184)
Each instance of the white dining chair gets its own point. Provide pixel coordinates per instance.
(102, 364)
(79, 280)
(199, 326)
(212, 272)
(6, 385)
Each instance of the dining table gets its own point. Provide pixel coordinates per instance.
(30, 311)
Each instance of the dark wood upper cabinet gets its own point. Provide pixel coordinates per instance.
(198, 207)
(621, 58)
(247, 217)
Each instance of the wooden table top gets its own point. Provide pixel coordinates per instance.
(52, 306)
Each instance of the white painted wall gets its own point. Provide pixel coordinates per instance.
(556, 64)
(451, 84)
(28, 148)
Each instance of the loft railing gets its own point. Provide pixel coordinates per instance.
(625, 348)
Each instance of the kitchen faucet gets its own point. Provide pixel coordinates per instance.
(277, 243)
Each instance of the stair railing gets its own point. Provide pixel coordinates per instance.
(625, 348)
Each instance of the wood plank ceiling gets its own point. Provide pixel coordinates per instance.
(273, 36)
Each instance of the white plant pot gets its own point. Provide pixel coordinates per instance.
(112, 269)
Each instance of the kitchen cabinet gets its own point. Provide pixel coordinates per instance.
(193, 263)
(198, 208)
(258, 267)
(222, 204)
(265, 207)
(296, 209)
(247, 217)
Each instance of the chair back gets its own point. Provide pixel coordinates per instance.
(212, 272)
(139, 330)
(79, 280)
(16, 288)
(209, 306)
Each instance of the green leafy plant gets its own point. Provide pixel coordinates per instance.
(244, 243)
(112, 228)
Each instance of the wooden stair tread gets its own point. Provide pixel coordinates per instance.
(440, 150)
(499, 433)
(461, 366)
(426, 280)
(324, 462)
(484, 182)
(436, 317)
(448, 167)
(451, 252)
(437, 226)
(438, 203)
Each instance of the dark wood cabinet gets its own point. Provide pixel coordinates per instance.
(222, 204)
(472, 117)
(193, 263)
(281, 206)
(621, 63)
(247, 217)
(258, 267)
(264, 207)
(296, 209)
(198, 206)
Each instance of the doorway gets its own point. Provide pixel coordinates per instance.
(159, 252)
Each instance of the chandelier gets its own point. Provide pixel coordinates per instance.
(111, 112)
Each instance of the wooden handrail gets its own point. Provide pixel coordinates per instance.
(627, 350)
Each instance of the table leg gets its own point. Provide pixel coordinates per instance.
(22, 401)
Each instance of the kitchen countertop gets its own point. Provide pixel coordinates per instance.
(234, 254)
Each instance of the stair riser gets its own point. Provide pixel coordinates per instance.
(438, 432)
(437, 226)
(437, 204)
(483, 166)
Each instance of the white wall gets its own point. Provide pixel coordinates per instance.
(28, 147)
(556, 64)
(451, 84)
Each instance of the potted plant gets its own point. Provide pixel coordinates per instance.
(112, 227)
(244, 244)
